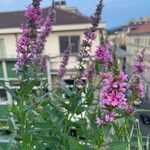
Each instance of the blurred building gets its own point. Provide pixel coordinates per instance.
(138, 40)
(69, 28)
(120, 34)
(130, 39)
(139, 21)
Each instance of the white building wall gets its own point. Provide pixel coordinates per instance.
(9, 44)
(52, 46)
(52, 49)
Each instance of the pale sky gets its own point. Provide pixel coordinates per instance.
(116, 12)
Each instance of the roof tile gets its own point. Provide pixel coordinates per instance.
(14, 19)
(145, 28)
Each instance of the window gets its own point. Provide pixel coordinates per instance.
(138, 41)
(146, 42)
(149, 42)
(135, 40)
(2, 48)
(142, 41)
(1, 70)
(70, 84)
(65, 41)
(10, 71)
(63, 3)
(3, 95)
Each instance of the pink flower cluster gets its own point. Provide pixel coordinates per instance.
(113, 93)
(34, 14)
(87, 73)
(139, 66)
(49, 22)
(114, 88)
(129, 108)
(108, 117)
(137, 84)
(25, 45)
(30, 46)
(89, 35)
(95, 18)
(102, 53)
(113, 96)
(46, 29)
(140, 89)
(41, 39)
(104, 75)
(62, 68)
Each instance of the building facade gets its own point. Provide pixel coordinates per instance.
(69, 28)
(120, 34)
(138, 40)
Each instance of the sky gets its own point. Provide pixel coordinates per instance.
(115, 13)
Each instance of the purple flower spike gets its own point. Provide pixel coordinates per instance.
(64, 62)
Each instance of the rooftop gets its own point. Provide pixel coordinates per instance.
(143, 29)
(63, 17)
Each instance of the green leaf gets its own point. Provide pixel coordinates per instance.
(75, 102)
(73, 144)
(13, 94)
(27, 87)
(142, 110)
(90, 94)
(80, 110)
(98, 67)
(66, 89)
(118, 145)
(148, 143)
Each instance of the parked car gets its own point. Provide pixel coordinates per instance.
(145, 119)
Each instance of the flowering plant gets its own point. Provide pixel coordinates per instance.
(97, 112)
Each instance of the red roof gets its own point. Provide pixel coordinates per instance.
(145, 28)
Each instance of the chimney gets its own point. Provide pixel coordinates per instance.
(60, 4)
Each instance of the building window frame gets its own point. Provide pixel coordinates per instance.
(69, 42)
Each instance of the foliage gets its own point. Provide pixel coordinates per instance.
(64, 118)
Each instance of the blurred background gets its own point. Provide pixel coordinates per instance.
(125, 23)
